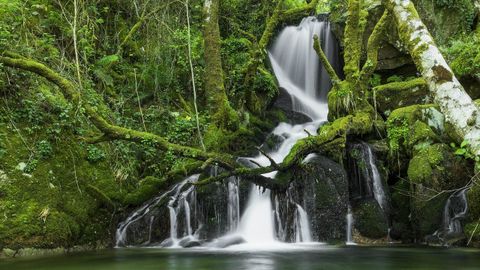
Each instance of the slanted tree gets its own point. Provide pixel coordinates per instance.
(457, 106)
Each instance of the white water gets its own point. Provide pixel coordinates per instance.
(298, 71)
(178, 200)
(350, 221)
(233, 208)
(302, 226)
(298, 68)
(256, 225)
(378, 191)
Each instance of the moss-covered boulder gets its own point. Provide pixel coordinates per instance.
(413, 127)
(437, 167)
(395, 95)
(433, 169)
(321, 188)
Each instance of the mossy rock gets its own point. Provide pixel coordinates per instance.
(147, 189)
(321, 186)
(409, 129)
(436, 166)
(395, 95)
(370, 220)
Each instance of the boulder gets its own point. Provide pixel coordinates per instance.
(370, 220)
(321, 187)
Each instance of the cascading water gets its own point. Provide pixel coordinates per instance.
(178, 201)
(350, 228)
(365, 183)
(366, 180)
(454, 211)
(298, 70)
(302, 226)
(378, 190)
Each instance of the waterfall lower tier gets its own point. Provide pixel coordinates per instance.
(257, 225)
(367, 191)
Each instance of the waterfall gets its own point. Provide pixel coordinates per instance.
(297, 69)
(178, 201)
(233, 203)
(299, 73)
(366, 181)
(256, 225)
(454, 211)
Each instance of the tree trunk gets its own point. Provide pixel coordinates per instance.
(216, 97)
(457, 106)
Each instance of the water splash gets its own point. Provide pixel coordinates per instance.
(350, 221)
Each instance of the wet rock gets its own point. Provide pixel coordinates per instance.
(227, 241)
(370, 220)
(321, 188)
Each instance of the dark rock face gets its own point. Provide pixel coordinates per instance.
(370, 220)
(321, 188)
(284, 102)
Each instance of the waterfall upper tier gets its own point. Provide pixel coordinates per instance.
(298, 68)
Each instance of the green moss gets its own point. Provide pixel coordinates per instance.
(419, 169)
(148, 188)
(435, 166)
(394, 95)
(412, 126)
(58, 211)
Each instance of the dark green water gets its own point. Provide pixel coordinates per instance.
(318, 258)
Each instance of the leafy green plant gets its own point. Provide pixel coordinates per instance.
(95, 154)
(44, 149)
(463, 151)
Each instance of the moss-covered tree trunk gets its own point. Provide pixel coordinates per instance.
(217, 102)
(459, 109)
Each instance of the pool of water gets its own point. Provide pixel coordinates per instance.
(307, 258)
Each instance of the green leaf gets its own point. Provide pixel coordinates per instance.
(460, 151)
(108, 60)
